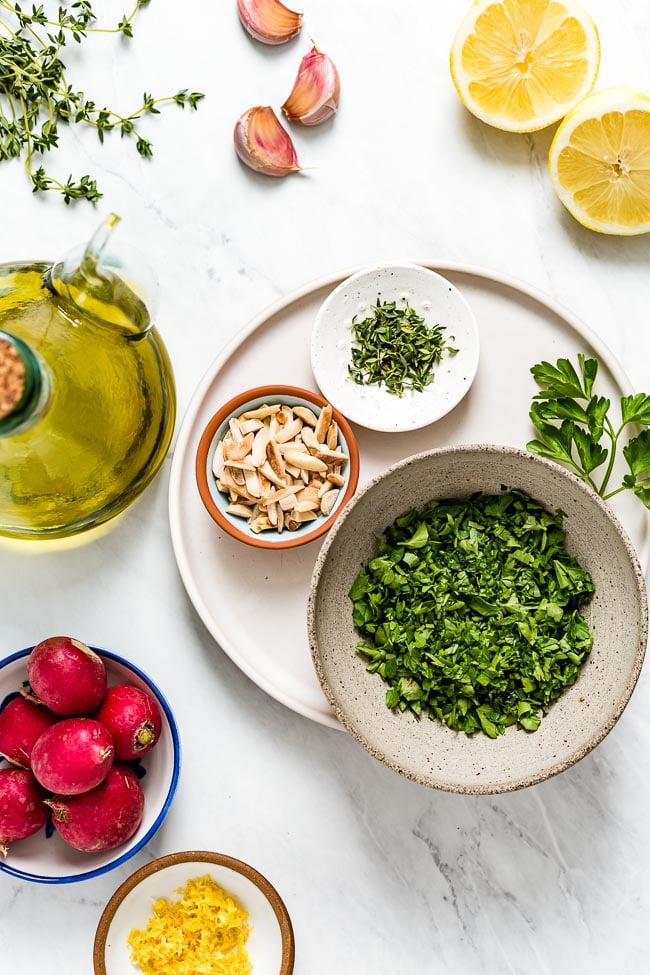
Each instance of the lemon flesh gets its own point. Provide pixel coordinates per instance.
(520, 65)
(599, 162)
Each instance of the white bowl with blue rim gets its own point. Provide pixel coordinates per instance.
(45, 857)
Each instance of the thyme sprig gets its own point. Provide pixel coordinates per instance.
(36, 96)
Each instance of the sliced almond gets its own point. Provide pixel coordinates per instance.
(292, 445)
(284, 416)
(327, 501)
(261, 524)
(304, 461)
(331, 457)
(288, 502)
(285, 492)
(323, 424)
(289, 431)
(307, 516)
(336, 480)
(239, 510)
(253, 485)
(234, 475)
(235, 429)
(258, 451)
(309, 438)
(218, 460)
(267, 471)
(306, 415)
(292, 521)
(308, 505)
(260, 413)
(272, 512)
(250, 426)
(332, 438)
(280, 524)
(292, 469)
(239, 465)
(239, 450)
(275, 458)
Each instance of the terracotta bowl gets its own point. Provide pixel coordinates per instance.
(216, 503)
(426, 750)
(45, 858)
(270, 944)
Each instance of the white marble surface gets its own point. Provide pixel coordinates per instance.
(380, 875)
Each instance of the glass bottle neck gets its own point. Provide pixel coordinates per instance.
(22, 384)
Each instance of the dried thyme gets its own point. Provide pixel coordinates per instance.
(395, 346)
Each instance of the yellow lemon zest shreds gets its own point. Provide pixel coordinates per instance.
(203, 933)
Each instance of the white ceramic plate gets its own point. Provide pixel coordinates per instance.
(252, 602)
(438, 302)
(270, 944)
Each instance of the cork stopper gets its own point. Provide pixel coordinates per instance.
(12, 378)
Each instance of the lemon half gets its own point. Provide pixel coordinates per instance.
(599, 161)
(521, 65)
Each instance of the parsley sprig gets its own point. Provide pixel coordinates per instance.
(471, 612)
(575, 428)
(36, 96)
(395, 347)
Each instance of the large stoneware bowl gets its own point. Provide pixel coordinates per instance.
(427, 750)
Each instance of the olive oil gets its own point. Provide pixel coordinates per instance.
(102, 408)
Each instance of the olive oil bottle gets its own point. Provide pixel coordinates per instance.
(87, 400)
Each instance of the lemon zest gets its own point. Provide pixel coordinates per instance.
(203, 933)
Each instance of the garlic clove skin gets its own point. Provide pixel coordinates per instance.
(263, 144)
(316, 90)
(269, 21)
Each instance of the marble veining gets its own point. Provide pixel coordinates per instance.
(379, 874)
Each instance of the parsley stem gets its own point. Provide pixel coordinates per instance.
(613, 436)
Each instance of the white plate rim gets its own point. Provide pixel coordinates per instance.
(178, 544)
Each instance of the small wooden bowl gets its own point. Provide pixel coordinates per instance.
(216, 503)
(270, 945)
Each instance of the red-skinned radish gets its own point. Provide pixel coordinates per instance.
(133, 719)
(73, 756)
(21, 725)
(67, 676)
(104, 818)
(22, 807)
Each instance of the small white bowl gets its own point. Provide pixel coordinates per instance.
(47, 859)
(270, 944)
(432, 297)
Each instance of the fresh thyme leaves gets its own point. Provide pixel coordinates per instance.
(470, 612)
(574, 427)
(396, 347)
(35, 95)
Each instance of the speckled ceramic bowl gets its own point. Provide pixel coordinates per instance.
(425, 750)
(270, 944)
(216, 503)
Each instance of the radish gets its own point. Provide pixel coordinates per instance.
(21, 725)
(133, 719)
(73, 756)
(103, 818)
(67, 676)
(22, 809)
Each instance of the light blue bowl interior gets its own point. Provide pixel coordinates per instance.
(222, 501)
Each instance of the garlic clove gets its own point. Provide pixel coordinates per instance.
(315, 94)
(269, 21)
(263, 144)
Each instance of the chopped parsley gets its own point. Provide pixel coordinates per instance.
(471, 612)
